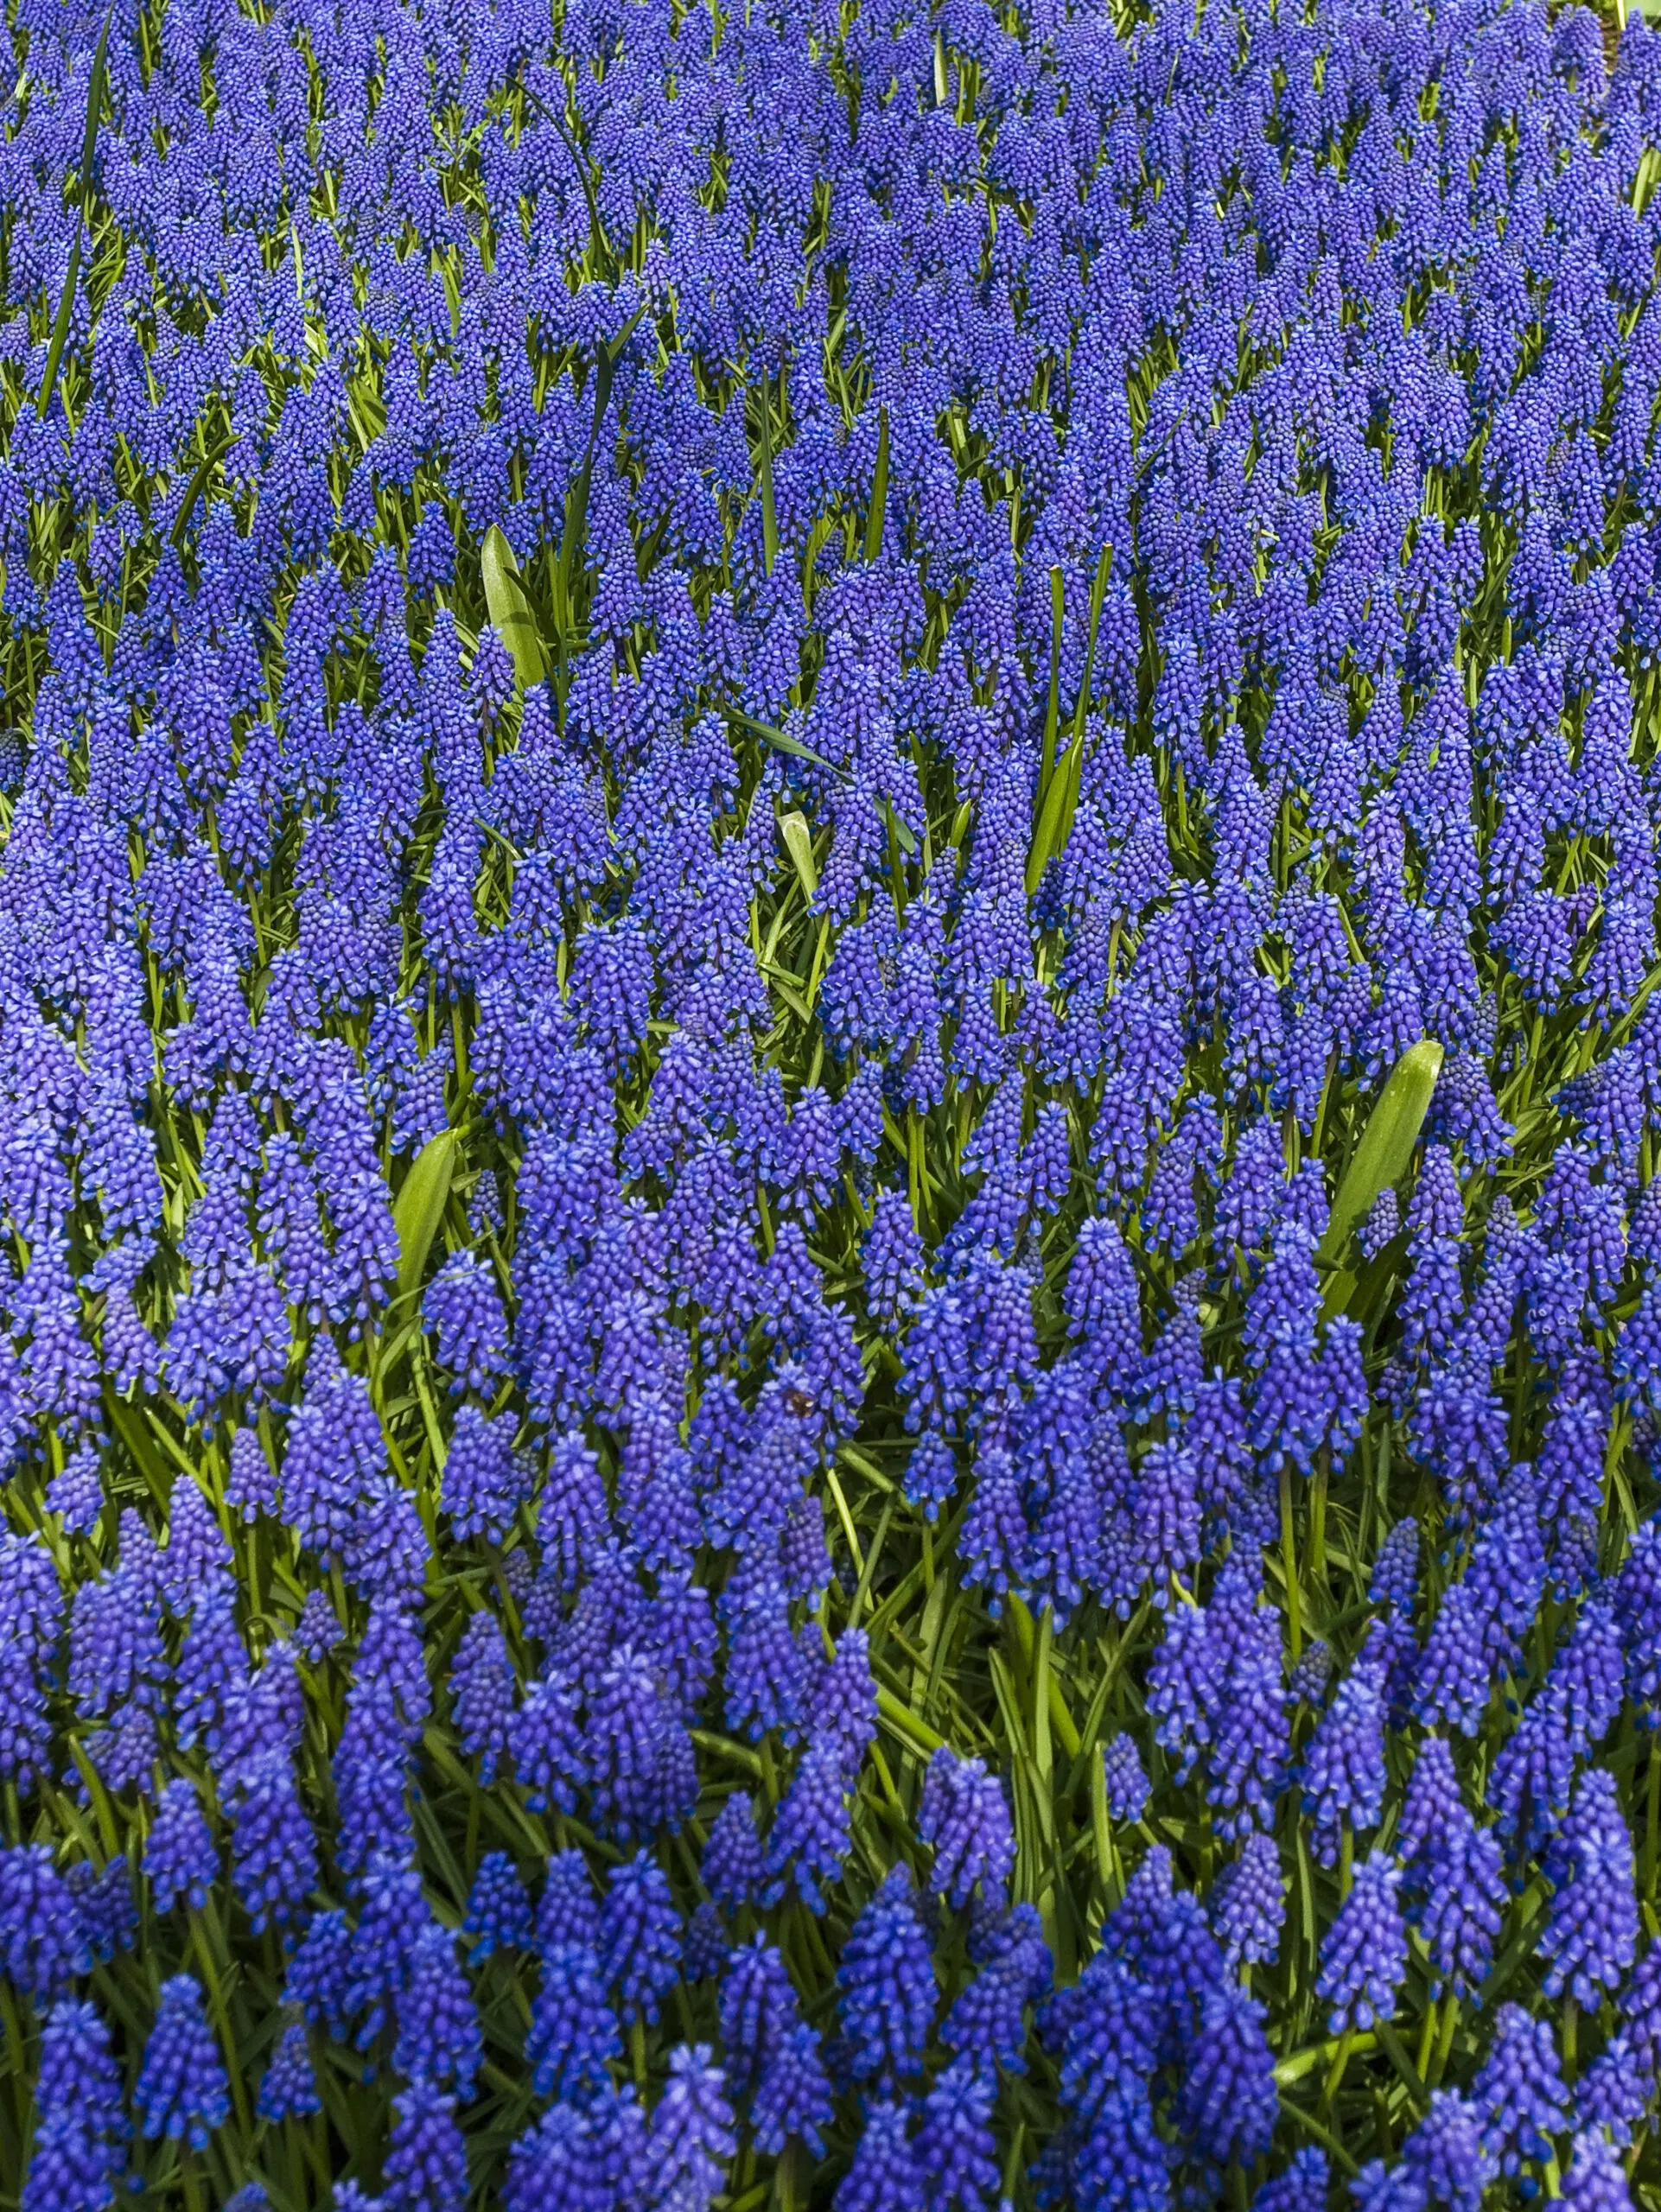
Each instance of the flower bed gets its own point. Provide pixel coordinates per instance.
(832, 1367)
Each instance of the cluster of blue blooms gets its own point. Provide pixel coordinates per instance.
(738, 740)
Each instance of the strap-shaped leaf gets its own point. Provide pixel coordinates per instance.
(72, 274)
(874, 520)
(1057, 799)
(782, 742)
(94, 112)
(1053, 710)
(194, 490)
(899, 830)
(1097, 599)
(60, 325)
(420, 1205)
(1046, 837)
(1386, 1145)
(598, 227)
(798, 843)
(510, 610)
(576, 499)
(764, 479)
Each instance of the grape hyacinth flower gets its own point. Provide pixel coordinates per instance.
(1364, 1956)
(965, 1817)
(181, 2093)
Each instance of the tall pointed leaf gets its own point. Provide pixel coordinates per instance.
(1052, 711)
(874, 520)
(764, 477)
(94, 112)
(1386, 1145)
(60, 325)
(72, 274)
(798, 843)
(782, 742)
(510, 610)
(420, 1205)
(576, 499)
(1059, 785)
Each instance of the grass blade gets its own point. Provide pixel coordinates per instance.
(1056, 809)
(597, 228)
(1097, 599)
(194, 490)
(1058, 788)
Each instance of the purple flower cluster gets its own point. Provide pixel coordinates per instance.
(830, 1311)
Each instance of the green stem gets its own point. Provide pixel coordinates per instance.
(1336, 2071)
(787, 2178)
(1288, 1548)
(1318, 1517)
(1393, 2048)
(1061, 1721)
(1426, 2037)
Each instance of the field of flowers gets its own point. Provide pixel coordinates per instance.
(831, 1271)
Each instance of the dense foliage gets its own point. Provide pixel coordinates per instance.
(750, 1454)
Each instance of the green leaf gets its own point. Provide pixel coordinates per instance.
(1034, 1652)
(61, 326)
(510, 609)
(1386, 1145)
(597, 227)
(1056, 808)
(764, 476)
(1097, 596)
(420, 1207)
(874, 520)
(1362, 1293)
(1058, 782)
(905, 1723)
(94, 112)
(72, 274)
(798, 843)
(193, 492)
(1052, 711)
(576, 499)
(128, 1425)
(784, 742)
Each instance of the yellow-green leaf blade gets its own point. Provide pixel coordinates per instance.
(510, 610)
(1386, 1145)
(420, 1205)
